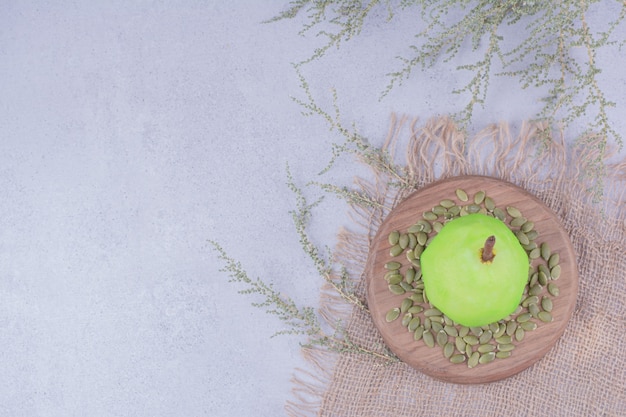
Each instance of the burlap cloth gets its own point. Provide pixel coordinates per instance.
(583, 375)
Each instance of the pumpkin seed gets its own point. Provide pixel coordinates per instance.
(554, 260)
(448, 350)
(437, 319)
(533, 309)
(471, 340)
(442, 338)
(501, 330)
(427, 324)
(394, 279)
(488, 347)
(546, 304)
(528, 325)
(417, 297)
(463, 331)
(403, 240)
(513, 211)
(493, 327)
(396, 289)
(534, 279)
(487, 357)
(392, 314)
(534, 254)
(553, 289)
(406, 319)
(535, 290)
(532, 235)
(410, 256)
(528, 226)
(545, 316)
(479, 197)
(448, 321)
(476, 331)
(473, 360)
(418, 273)
(422, 237)
(458, 358)
(439, 211)
(473, 208)
(518, 221)
(489, 204)
(460, 343)
(531, 245)
(437, 226)
(485, 337)
(545, 251)
(523, 317)
(415, 309)
(418, 227)
(555, 272)
(393, 237)
(510, 328)
(392, 265)
(519, 334)
(506, 347)
(409, 275)
(454, 210)
(412, 240)
(521, 236)
(406, 304)
(435, 325)
(432, 312)
(499, 213)
(543, 278)
(429, 339)
(414, 324)
(503, 355)
(451, 330)
(533, 299)
(427, 226)
(429, 215)
(468, 350)
(418, 333)
(504, 340)
(446, 203)
(461, 194)
(389, 274)
(395, 250)
(407, 287)
(417, 253)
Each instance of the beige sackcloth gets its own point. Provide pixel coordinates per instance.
(584, 374)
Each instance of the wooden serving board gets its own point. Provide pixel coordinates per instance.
(535, 344)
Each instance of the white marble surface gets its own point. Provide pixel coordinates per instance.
(132, 132)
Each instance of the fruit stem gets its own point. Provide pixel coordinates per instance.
(487, 252)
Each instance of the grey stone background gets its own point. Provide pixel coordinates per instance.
(131, 133)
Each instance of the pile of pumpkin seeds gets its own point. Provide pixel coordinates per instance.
(462, 344)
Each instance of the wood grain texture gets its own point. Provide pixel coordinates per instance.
(431, 361)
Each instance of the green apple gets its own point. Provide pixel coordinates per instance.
(475, 270)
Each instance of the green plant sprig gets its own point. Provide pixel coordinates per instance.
(556, 54)
(346, 16)
(378, 159)
(304, 320)
(299, 320)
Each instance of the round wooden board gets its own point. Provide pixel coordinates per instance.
(431, 361)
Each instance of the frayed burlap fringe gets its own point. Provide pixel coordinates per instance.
(583, 375)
